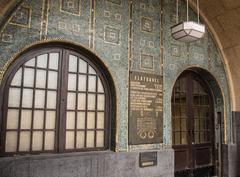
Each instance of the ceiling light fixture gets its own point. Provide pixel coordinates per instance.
(187, 31)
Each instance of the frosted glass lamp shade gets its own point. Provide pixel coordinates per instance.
(188, 31)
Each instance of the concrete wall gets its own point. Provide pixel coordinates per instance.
(104, 164)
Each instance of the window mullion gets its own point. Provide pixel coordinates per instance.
(63, 101)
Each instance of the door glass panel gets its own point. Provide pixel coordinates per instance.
(28, 77)
(37, 141)
(82, 66)
(24, 143)
(26, 120)
(80, 139)
(52, 79)
(27, 98)
(183, 125)
(92, 83)
(30, 62)
(39, 98)
(70, 139)
(49, 140)
(14, 97)
(53, 60)
(38, 119)
(81, 101)
(12, 121)
(41, 79)
(81, 120)
(177, 126)
(72, 65)
(91, 70)
(184, 138)
(82, 82)
(72, 80)
(42, 61)
(17, 78)
(177, 138)
(90, 139)
(11, 141)
(100, 138)
(50, 120)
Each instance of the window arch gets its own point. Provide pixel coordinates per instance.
(55, 100)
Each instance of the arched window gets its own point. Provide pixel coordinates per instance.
(54, 100)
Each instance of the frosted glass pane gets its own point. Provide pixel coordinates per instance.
(26, 119)
(42, 61)
(30, 62)
(70, 120)
(71, 101)
(100, 120)
(91, 70)
(91, 101)
(27, 98)
(38, 120)
(14, 97)
(92, 83)
(53, 60)
(52, 79)
(50, 119)
(100, 139)
(28, 77)
(82, 81)
(39, 98)
(11, 141)
(41, 79)
(81, 120)
(72, 65)
(69, 140)
(91, 120)
(100, 86)
(90, 139)
(37, 141)
(72, 81)
(17, 79)
(82, 66)
(80, 139)
(24, 143)
(101, 102)
(81, 101)
(51, 99)
(12, 119)
(49, 140)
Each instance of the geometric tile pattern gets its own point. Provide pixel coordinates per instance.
(147, 61)
(22, 17)
(146, 24)
(118, 2)
(111, 35)
(70, 6)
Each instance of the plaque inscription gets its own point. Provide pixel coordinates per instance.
(145, 119)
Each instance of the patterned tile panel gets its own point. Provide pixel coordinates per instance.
(146, 36)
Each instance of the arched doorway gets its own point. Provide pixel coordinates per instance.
(193, 133)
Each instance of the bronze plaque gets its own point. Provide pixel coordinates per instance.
(147, 159)
(146, 103)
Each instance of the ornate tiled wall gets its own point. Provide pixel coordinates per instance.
(127, 35)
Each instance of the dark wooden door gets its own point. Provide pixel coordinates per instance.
(192, 123)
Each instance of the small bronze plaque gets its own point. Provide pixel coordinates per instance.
(147, 159)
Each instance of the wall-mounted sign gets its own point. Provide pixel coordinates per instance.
(146, 104)
(147, 159)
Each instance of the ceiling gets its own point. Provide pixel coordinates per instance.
(223, 19)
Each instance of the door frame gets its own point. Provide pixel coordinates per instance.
(200, 73)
